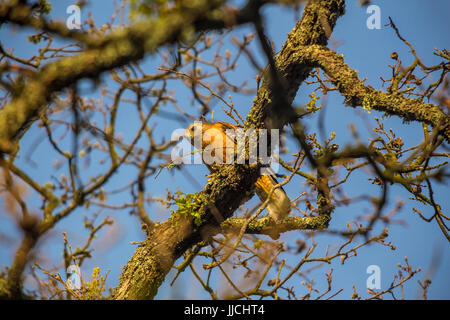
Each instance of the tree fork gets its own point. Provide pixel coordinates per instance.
(153, 259)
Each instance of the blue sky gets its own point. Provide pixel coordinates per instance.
(423, 23)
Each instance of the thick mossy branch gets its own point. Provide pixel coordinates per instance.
(233, 185)
(318, 20)
(358, 94)
(267, 225)
(152, 260)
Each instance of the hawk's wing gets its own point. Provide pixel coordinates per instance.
(279, 204)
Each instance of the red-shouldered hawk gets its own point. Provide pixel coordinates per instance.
(216, 136)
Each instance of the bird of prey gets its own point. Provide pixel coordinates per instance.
(213, 137)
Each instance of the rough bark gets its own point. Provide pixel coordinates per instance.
(357, 94)
(303, 50)
(100, 55)
(234, 185)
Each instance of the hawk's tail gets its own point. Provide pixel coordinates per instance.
(279, 204)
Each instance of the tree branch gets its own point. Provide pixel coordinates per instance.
(233, 185)
(268, 227)
(358, 94)
(118, 49)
